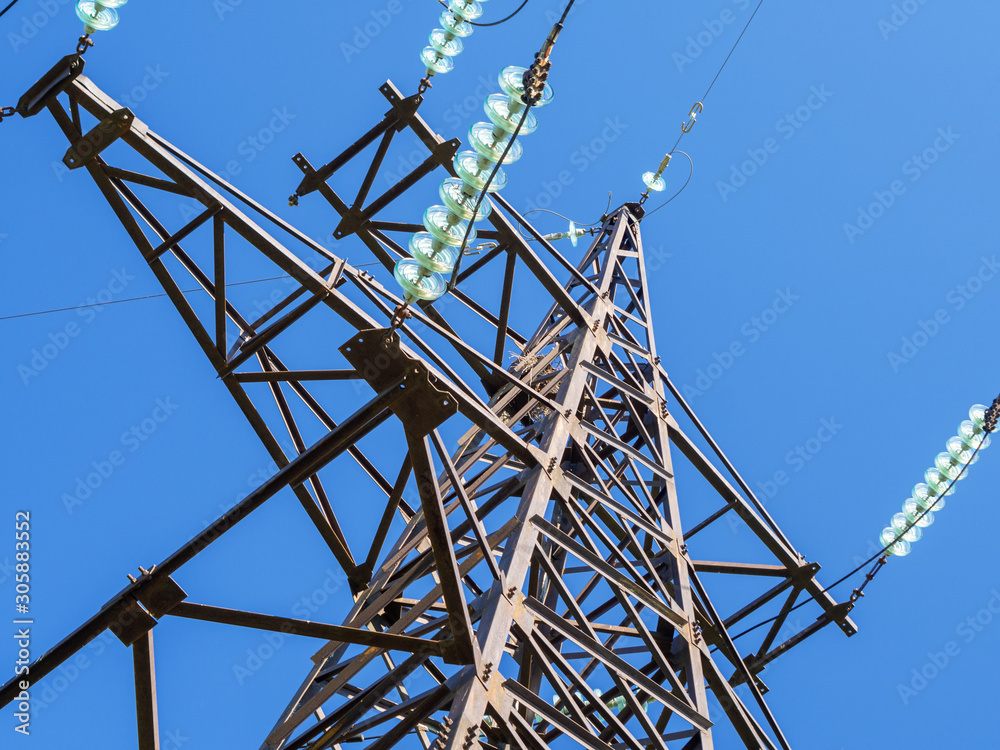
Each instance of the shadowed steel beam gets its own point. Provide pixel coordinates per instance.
(292, 626)
(145, 693)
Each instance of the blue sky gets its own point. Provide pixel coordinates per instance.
(824, 292)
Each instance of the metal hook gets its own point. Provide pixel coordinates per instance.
(696, 110)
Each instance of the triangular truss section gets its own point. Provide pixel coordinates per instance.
(540, 575)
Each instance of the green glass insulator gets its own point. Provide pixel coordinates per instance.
(445, 43)
(435, 61)
(446, 227)
(461, 199)
(512, 83)
(470, 11)
(498, 109)
(104, 19)
(417, 281)
(974, 435)
(431, 254)
(902, 525)
(653, 182)
(475, 170)
(917, 514)
(900, 548)
(490, 143)
(978, 415)
(455, 24)
(950, 466)
(938, 481)
(617, 703)
(963, 451)
(928, 497)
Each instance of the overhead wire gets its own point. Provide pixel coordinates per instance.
(492, 23)
(693, 112)
(877, 556)
(10, 5)
(721, 68)
(136, 299)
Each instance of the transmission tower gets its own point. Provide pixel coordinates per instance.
(543, 576)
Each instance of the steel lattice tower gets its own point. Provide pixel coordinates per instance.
(545, 582)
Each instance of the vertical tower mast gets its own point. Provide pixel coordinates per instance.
(545, 577)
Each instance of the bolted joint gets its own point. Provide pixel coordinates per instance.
(990, 420)
(696, 632)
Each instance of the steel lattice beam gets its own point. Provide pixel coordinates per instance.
(547, 555)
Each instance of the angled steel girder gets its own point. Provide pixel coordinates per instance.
(546, 556)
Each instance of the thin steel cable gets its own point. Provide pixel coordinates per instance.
(722, 67)
(10, 5)
(492, 23)
(732, 50)
(135, 299)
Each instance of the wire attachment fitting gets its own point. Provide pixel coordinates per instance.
(696, 110)
(400, 314)
(990, 418)
(536, 75)
(7, 112)
(84, 44)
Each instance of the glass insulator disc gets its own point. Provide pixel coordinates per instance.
(902, 525)
(950, 466)
(431, 254)
(453, 193)
(98, 20)
(445, 43)
(417, 281)
(653, 182)
(455, 24)
(915, 513)
(974, 435)
(497, 108)
(962, 450)
(446, 226)
(435, 61)
(900, 548)
(470, 11)
(475, 174)
(483, 137)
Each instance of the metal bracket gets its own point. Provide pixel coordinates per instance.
(377, 356)
(132, 624)
(50, 85)
(102, 135)
(161, 595)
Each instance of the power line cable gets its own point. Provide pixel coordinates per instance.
(10, 5)
(492, 23)
(879, 556)
(721, 68)
(732, 50)
(135, 299)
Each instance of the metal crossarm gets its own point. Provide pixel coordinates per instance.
(539, 576)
